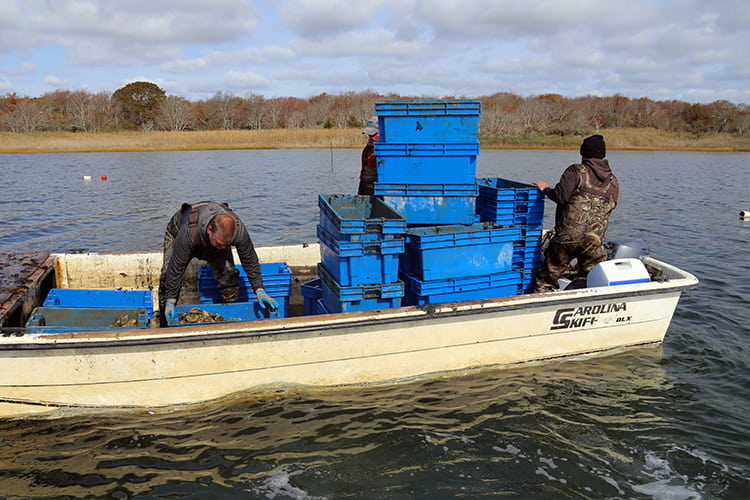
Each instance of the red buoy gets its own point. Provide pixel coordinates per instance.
(104, 177)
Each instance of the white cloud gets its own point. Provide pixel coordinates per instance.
(163, 21)
(5, 84)
(55, 81)
(320, 18)
(240, 80)
(379, 43)
(665, 49)
(24, 69)
(216, 59)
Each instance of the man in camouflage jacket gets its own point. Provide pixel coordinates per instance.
(208, 230)
(585, 196)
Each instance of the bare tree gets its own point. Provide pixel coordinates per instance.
(557, 111)
(273, 111)
(723, 116)
(593, 111)
(106, 111)
(174, 114)
(496, 121)
(742, 122)
(143, 104)
(222, 110)
(533, 115)
(319, 111)
(81, 109)
(28, 115)
(254, 114)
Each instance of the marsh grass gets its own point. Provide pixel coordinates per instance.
(629, 139)
(58, 142)
(44, 142)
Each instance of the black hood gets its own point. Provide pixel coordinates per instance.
(600, 167)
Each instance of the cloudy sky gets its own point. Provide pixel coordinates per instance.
(690, 50)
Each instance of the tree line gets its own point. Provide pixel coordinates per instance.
(145, 106)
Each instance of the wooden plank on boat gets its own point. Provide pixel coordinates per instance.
(21, 275)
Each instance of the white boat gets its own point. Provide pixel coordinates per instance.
(163, 368)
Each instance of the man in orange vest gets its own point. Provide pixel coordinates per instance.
(369, 173)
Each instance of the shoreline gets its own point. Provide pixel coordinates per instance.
(129, 141)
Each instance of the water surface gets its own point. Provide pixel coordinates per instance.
(666, 422)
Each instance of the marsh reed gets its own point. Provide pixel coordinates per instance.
(58, 142)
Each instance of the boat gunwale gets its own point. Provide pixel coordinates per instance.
(339, 321)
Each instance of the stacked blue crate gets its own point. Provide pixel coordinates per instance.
(277, 282)
(428, 121)
(361, 240)
(450, 251)
(72, 319)
(339, 298)
(508, 202)
(460, 262)
(312, 292)
(96, 297)
(426, 159)
(360, 262)
(465, 238)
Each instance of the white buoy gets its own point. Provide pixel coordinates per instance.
(744, 214)
(86, 177)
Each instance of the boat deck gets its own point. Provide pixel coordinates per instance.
(22, 276)
(25, 279)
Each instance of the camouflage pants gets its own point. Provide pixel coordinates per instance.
(225, 272)
(588, 252)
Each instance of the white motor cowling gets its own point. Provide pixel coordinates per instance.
(626, 248)
(618, 272)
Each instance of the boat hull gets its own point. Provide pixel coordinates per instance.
(164, 368)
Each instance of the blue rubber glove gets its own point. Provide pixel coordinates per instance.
(169, 308)
(266, 301)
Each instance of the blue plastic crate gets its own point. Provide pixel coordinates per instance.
(426, 163)
(277, 282)
(510, 213)
(527, 285)
(431, 204)
(509, 202)
(527, 254)
(419, 292)
(453, 251)
(498, 189)
(320, 307)
(360, 262)
(528, 275)
(68, 318)
(236, 311)
(212, 298)
(357, 218)
(532, 233)
(428, 120)
(311, 292)
(82, 297)
(527, 257)
(339, 298)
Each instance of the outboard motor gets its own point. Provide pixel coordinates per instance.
(626, 248)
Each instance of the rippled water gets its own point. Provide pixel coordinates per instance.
(667, 422)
